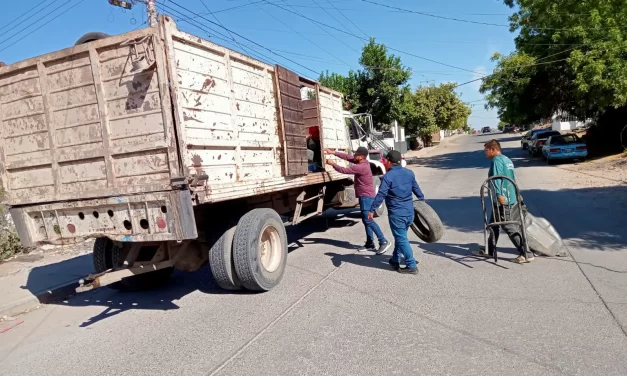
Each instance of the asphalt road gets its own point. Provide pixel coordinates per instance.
(338, 312)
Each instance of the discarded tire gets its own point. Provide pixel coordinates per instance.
(90, 37)
(381, 210)
(260, 249)
(221, 261)
(107, 256)
(427, 224)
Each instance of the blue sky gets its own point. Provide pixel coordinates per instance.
(314, 48)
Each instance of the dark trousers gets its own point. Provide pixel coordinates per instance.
(372, 228)
(513, 231)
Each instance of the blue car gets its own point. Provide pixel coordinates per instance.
(567, 146)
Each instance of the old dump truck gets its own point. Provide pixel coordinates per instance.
(171, 151)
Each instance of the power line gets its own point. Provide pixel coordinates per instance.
(367, 40)
(22, 15)
(330, 14)
(349, 20)
(217, 20)
(464, 20)
(434, 15)
(39, 19)
(44, 24)
(302, 35)
(321, 28)
(247, 39)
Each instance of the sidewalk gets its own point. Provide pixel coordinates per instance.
(40, 276)
(426, 151)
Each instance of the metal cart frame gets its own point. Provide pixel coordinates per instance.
(488, 189)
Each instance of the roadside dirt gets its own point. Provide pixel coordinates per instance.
(612, 168)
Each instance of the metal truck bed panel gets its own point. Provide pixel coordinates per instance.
(227, 109)
(80, 123)
(85, 123)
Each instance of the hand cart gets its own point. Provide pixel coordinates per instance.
(501, 217)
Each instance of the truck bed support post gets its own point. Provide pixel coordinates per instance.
(301, 200)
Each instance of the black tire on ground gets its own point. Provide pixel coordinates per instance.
(107, 256)
(523, 146)
(221, 261)
(381, 210)
(90, 37)
(427, 224)
(259, 266)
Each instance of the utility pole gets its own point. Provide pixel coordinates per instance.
(151, 9)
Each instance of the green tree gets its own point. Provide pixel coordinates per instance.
(570, 56)
(432, 108)
(378, 88)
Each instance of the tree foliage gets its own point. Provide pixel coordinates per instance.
(570, 56)
(433, 108)
(381, 88)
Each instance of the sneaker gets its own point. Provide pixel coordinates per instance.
(367, 247)
(408, 270)
(383, 247)
(394, 264)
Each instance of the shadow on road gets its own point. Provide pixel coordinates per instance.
(474, 159)
(181, 283)
(590, 218)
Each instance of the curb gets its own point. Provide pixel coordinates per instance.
(48, 296)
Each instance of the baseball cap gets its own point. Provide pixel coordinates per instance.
(394, 156)
(361, 151)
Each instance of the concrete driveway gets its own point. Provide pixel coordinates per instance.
(339, 312)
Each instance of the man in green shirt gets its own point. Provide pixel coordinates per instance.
(506, 204)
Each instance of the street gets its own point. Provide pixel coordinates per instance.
(342, 312)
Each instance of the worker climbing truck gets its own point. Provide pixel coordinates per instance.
(171, 151)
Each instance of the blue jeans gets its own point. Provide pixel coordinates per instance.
(372, 228)
(399, 226)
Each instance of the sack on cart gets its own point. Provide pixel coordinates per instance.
(542, 238)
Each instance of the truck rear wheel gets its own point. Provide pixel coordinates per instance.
(108, 256)
(221, 261)
(381, 210)
(260, 249)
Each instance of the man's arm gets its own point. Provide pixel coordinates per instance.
(341, 155)
(417, 191)
(383, 191)
(354, 169)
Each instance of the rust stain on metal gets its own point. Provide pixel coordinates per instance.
(209, 83)
(237, 106)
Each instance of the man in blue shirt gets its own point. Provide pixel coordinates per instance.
(396, 188)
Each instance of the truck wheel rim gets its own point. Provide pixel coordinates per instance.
(270, 249)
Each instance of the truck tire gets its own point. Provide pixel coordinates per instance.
(90, 37)
(381, 210)
(107, 256)
(221, 261)
(427, 224)
(260, 249)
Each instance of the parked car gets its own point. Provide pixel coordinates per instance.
(564, 147)
(524, 140)
(515, 129)
(486, 130)
(535, 142)
(508, 129)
